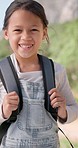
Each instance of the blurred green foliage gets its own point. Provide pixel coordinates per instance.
(65, 144)
(4, 48)
(63, 48)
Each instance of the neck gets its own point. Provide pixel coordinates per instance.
(29, 64)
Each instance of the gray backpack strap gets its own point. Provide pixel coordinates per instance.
(11, 83)
(49, 82)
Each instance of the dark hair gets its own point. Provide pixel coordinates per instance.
(29, 5)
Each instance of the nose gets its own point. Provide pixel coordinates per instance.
(25, 35)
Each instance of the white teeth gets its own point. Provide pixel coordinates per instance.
(26, 46)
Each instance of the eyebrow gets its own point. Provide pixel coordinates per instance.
(18, 26)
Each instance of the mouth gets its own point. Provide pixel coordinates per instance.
(26, 47)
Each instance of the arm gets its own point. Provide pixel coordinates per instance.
(8, 103)
(2, 93)
(62, 97)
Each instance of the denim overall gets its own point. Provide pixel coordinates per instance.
(34, 128)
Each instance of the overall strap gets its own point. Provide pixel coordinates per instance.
(49, 82)
(11, 83)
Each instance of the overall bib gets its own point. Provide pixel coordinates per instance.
(34, 127)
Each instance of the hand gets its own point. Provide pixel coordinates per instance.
(58, 101)
(10, 103)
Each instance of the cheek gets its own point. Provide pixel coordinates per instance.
(13, 42)
(13, 39)
(39, 38)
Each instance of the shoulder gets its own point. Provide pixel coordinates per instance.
(60, 74)
(59, 68)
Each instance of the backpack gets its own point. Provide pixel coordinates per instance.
(8, 74)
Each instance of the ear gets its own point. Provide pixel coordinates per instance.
(45, 33)
(5, 34)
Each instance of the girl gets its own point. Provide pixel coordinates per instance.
(25, 26)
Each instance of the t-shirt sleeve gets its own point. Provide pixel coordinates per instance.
(63, 87)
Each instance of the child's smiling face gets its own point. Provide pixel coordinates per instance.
(25, 33)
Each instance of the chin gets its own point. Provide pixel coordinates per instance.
(25, 56)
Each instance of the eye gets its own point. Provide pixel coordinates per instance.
(34, 29)
(17, 30)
